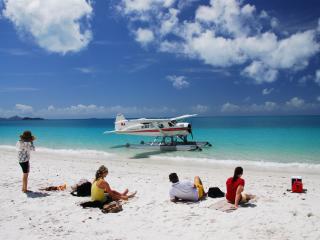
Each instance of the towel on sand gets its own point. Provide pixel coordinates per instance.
(223, 206)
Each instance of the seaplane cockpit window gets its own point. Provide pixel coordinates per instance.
(170, 124)
(146, 125)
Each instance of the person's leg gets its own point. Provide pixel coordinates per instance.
(25, 182)
(199, 186)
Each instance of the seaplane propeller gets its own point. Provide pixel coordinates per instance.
(190, 130)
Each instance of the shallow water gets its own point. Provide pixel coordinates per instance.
(284, 139)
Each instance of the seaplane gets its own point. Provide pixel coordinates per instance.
(170, 134)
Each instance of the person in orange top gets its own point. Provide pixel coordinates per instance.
(235, 187)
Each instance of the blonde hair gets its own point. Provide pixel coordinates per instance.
(102, 169)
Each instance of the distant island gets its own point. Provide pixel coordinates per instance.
(17, 118)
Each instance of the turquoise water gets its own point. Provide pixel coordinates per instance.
(270, 139)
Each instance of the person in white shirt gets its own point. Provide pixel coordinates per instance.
(24, 147)
(185, 190)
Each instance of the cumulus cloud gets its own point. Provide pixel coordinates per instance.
(144, 36)
(267, 91)
(259, 72)
(295, 102)
(24, 108)
(224, 33)
(178, 82)
(249, 109)
(57, 26)
(200, 108)
(229, 108)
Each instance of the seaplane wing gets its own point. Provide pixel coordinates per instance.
(146, 120)
(183, 117)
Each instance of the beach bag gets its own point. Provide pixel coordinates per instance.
(82, 190)
(112, 207)
(215, 192)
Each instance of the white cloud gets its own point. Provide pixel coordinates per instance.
(24, 108)
(295, 102)
(267, 91)
(274, 22)
(229, 108)
(270, 106)
(317, 77)
(136, 5)
(85, 69)
(225, 33)
(200, 108)
(144, 36)
(56, 26)
(249, 109)
(178, 82)
(260, 73)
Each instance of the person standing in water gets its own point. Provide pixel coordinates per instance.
(25, 146)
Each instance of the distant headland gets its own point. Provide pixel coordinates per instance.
(17, 118)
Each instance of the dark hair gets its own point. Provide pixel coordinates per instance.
(237, 171)
(173, 177)
(102, 169)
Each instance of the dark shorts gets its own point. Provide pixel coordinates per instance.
(25, 166)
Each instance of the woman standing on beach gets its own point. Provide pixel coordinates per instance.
(25, 146)
(100, 187)
(235, 187)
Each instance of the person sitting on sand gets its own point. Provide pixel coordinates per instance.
(186, 191)
(100, 187)
(235, 187)
(24, 147)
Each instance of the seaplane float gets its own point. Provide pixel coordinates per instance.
(170, 134)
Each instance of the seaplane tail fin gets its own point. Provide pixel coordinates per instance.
(120, 122)
(120, 117)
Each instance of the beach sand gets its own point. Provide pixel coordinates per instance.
(277, 214)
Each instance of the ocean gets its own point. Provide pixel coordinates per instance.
(267, 139)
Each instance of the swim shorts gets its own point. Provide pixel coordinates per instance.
(25, 166)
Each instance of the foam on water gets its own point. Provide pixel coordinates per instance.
(94, 154)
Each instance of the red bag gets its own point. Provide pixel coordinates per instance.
(297, 187)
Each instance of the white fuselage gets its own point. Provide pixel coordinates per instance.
(154, 129)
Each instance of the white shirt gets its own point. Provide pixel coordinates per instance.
(24, 149)
(184, 190)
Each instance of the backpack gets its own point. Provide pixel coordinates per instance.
(82, 190)
(215, 192)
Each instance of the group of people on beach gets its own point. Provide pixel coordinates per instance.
(102, 192)
(188, 191)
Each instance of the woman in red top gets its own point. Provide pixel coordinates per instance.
(235, 187)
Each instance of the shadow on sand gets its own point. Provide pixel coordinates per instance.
(248, 205)
(147, 154)
(31, 194)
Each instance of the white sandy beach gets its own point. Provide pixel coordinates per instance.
(277, 214)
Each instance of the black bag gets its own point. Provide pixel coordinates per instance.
(83, 190)
(215, 192)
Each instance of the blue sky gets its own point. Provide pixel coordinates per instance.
(78, 59)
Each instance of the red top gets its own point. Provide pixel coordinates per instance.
(232, 188)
